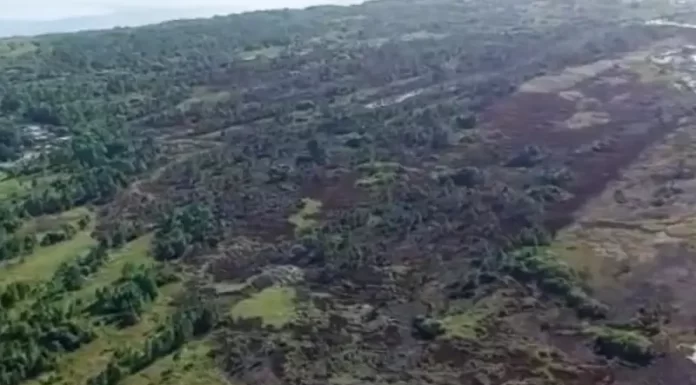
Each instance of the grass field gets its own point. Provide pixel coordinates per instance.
(304, 219)
(43, 262)
(77, 367)
(190, 366)
(11, 188)
(11, 48)
(274, 305)
(135, 252)
(46, 223)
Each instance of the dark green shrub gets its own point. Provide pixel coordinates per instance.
(627, 345)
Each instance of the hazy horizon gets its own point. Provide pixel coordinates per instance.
(50, 10)
(36, 17)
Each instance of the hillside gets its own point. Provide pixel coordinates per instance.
(397, 192)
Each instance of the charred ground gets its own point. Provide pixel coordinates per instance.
(398, 192)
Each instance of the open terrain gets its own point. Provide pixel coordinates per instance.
(399, 192)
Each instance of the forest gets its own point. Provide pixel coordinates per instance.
(401, 192)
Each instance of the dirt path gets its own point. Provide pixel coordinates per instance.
(137, 186)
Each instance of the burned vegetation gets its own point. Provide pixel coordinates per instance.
(342, 195)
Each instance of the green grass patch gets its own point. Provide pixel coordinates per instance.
(11, 187)
(135, 252)
(12, 48)
(467, 325)
(43, 262)
(380, 173)
(47, 223)
(40, 265)
(467, 320)
(192, 365)
(274, 305)
(77, 367)
(18, 187)
(304, 220)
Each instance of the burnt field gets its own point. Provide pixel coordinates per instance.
(593, 128)
(411, 224)
(399, 192)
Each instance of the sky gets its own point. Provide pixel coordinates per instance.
(60, 9)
